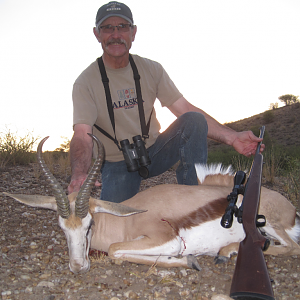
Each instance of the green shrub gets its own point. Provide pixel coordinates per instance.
(228, 156)
(16, 150)
(268, 116)
(223, 155)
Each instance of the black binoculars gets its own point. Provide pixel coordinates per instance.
(136, 156)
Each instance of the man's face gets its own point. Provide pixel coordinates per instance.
(116, 43)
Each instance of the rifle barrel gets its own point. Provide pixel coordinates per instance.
(251, 278)
(261, 135)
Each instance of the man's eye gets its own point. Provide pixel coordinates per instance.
(122, 25)
(107, 26)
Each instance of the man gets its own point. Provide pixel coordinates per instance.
(114, 107)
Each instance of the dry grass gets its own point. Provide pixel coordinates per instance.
(282, 140)
(57, 162)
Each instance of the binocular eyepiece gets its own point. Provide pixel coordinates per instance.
(136, 156)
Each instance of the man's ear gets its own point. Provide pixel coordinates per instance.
(134, 30)
(97, 35)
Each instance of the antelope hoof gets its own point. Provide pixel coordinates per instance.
(221, 260)
(193, 263)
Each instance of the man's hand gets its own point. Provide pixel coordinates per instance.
(246, 143)
(77, 182)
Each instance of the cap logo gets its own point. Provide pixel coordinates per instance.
(113, 8)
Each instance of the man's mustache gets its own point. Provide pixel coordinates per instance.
(116, 41)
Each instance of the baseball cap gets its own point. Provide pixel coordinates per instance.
(114, 9)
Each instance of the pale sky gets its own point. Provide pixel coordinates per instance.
(232, 58)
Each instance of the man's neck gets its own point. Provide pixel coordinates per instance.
(115, 62)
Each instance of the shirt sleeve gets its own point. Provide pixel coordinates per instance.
(167, 92)
(84, 108)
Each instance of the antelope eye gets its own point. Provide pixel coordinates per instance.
(90, 226)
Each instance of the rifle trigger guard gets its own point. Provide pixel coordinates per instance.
(260, 221)
(266, 245)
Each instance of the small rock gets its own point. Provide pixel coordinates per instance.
(109, 272)
(28, 290)
(150, 282)
(45, 276)
(226, 277)
(33, 245)
(25, 277)
(4, 249)
(178, 283)
(164, 273)
(184, 293)
(220, 297)
(183, 272)
(207, 273)
(51, 297)
(125, 281)
(45, 284)
(158, 295)
(131, 295)
(46, 259)
(118, 261)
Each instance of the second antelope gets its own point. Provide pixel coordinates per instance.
(168, 224)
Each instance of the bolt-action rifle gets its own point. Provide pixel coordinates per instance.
(251, 278)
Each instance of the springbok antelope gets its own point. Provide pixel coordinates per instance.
(168, 224)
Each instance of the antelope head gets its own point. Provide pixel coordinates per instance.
(75, 211)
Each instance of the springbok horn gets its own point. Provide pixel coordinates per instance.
(62, 201)
(82, 199)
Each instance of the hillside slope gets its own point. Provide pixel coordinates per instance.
(282, 125)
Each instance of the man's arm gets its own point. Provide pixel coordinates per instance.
(81, 148)
(244, 142)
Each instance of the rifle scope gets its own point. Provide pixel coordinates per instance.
(239, 180)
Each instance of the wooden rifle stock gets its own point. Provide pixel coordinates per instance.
(251, 278)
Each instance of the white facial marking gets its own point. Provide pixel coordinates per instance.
(79, 240)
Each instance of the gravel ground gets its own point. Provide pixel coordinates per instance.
(34, 259)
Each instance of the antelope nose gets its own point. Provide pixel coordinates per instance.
(79, 266)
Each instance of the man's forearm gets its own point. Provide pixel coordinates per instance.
(80, 155)
(219, 132)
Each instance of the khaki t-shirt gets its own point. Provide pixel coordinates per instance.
(89, 101)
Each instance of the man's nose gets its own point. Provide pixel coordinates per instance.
(116, 31)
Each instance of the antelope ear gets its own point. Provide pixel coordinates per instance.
(35, 200)
(116, 209)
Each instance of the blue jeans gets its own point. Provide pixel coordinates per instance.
(185, 140)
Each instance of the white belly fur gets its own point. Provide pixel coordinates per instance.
(171, 248)
(209, 238)
(206, 239)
